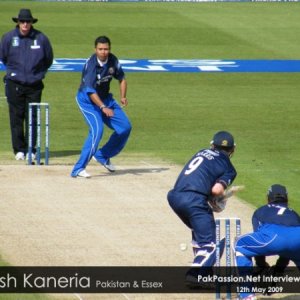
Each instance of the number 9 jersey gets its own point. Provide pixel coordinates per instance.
(206, 168)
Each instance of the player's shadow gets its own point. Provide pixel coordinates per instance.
(133, 171)
(64, 153)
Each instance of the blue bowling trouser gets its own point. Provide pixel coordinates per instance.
(269, 240)
(95, 120)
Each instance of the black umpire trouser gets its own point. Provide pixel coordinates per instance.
(18, 98)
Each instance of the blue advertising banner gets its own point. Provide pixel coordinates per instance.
(184, 65)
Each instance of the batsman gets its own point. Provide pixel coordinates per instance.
(200, 189)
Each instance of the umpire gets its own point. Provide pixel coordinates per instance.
(27, 55)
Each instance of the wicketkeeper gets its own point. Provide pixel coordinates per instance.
(276, 232)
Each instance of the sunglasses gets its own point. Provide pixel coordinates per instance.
(25, 21)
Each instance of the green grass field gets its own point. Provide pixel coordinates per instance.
(175, 114)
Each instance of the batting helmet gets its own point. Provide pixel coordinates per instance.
(223, 140)
(277, 193)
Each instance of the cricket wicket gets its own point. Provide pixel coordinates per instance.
(228, 247)
(38, 107)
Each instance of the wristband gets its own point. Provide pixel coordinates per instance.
(102, 106)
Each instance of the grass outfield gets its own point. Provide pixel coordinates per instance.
(174, 114)
(20, 296)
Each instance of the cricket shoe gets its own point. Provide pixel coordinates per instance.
(20, 156)
(83, 174)
(107, 164)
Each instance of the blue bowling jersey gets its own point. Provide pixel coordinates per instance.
(204, 169)
(96, 78)
(275, 213)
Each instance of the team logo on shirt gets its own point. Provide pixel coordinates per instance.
(15, 41)
(35, 45)
(111, 70)
(98, 81)
(224, 143)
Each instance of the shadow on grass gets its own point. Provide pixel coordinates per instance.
(133, 171)
(63, 153)
(17, 296)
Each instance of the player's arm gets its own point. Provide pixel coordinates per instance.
(3, 50)
(97, 101)
(223, 182)
(218, 189)
(48, 53)
(123, 91)
(256, 219)
(88, 79)
(120, 75)
(217, 200)
(220, 194)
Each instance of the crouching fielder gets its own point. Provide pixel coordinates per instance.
(276, 232)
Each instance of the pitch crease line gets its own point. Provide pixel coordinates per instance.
(78, 296)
